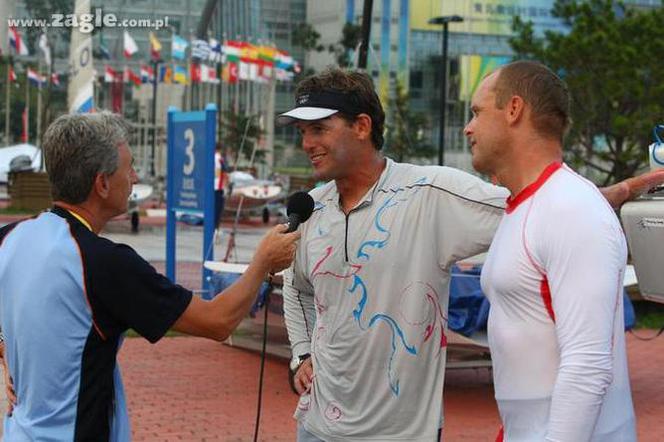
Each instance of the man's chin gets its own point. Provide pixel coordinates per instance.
(321, 175)
(478, 165)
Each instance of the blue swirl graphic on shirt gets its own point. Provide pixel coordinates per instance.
(378, 244)
(398, 336)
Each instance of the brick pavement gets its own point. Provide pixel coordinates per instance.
(191, 389)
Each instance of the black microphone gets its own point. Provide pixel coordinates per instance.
(300, 207)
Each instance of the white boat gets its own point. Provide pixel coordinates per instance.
(254, 193)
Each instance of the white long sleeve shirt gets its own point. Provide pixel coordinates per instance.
(367, 296)
(554, 276)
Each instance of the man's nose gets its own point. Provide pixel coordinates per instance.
(307, 143)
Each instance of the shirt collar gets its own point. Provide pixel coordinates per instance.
(367, 199)
(62, 210)
(532, 188)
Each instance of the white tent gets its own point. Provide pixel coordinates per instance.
(7, 154)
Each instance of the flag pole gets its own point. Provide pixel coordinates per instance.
(39, 102)
(155, 82)
(27, 106)
(7, 99)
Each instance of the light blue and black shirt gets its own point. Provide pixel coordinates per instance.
(66, 298)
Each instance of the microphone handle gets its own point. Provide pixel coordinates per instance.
(293, 222)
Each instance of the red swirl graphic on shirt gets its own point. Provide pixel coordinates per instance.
(328, 252)
(333, 412)
(431, 316)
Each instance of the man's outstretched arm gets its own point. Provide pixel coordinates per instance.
(631, 188)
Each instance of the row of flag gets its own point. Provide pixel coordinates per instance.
(240, 60)
(259, 58)
(167, 74)
(35, 78)
(17, 43)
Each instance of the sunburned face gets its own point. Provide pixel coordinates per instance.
(121, 181)
(330, 144)
(486, 131)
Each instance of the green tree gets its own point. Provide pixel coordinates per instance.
(305, 36)
(239, 134)
(405, 136)
(42, 9)
(611, 59)
(350, 37)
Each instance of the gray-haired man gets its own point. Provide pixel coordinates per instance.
(67, 295)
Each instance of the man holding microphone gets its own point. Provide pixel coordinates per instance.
(67, 295)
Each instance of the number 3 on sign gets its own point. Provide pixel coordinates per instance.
(189, 150)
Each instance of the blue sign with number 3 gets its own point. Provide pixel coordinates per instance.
(190, 175)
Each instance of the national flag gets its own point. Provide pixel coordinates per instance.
(180, 75)
(17, 42)
(284, 75)
(196, 70)
(209, 74)
(55, 79)
(230, 73)
(232, 51)
(46, 48)
(130, 75)
(283, 60)
(110, 75)
(12, 74)
(213, 75)
(35, 78)
(249, 53)
(147, 74)
(200, 49)
(178, 47)
(253, 72)
(284, 64)
(130, 46)
(243, 71)
(105, 53)
(117, 96)
(215, 51)
(166, 74)
(266, 55)
(155, 47)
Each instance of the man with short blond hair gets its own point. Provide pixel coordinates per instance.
(553, 273)
(366, 298)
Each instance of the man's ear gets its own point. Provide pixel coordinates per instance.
(515, 109)
(363, 126)
(101, 186)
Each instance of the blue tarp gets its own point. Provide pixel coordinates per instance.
(469, 308)
(221, 280)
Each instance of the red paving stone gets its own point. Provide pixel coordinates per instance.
(191, 389)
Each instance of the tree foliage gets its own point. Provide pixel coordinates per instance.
(405, 135)
(239, 134)
(305, 36)
(42, 9)
(350, 38)
(611, 60)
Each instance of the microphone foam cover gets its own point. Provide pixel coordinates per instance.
(302, 204)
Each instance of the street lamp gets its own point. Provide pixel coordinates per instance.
(444, 20)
